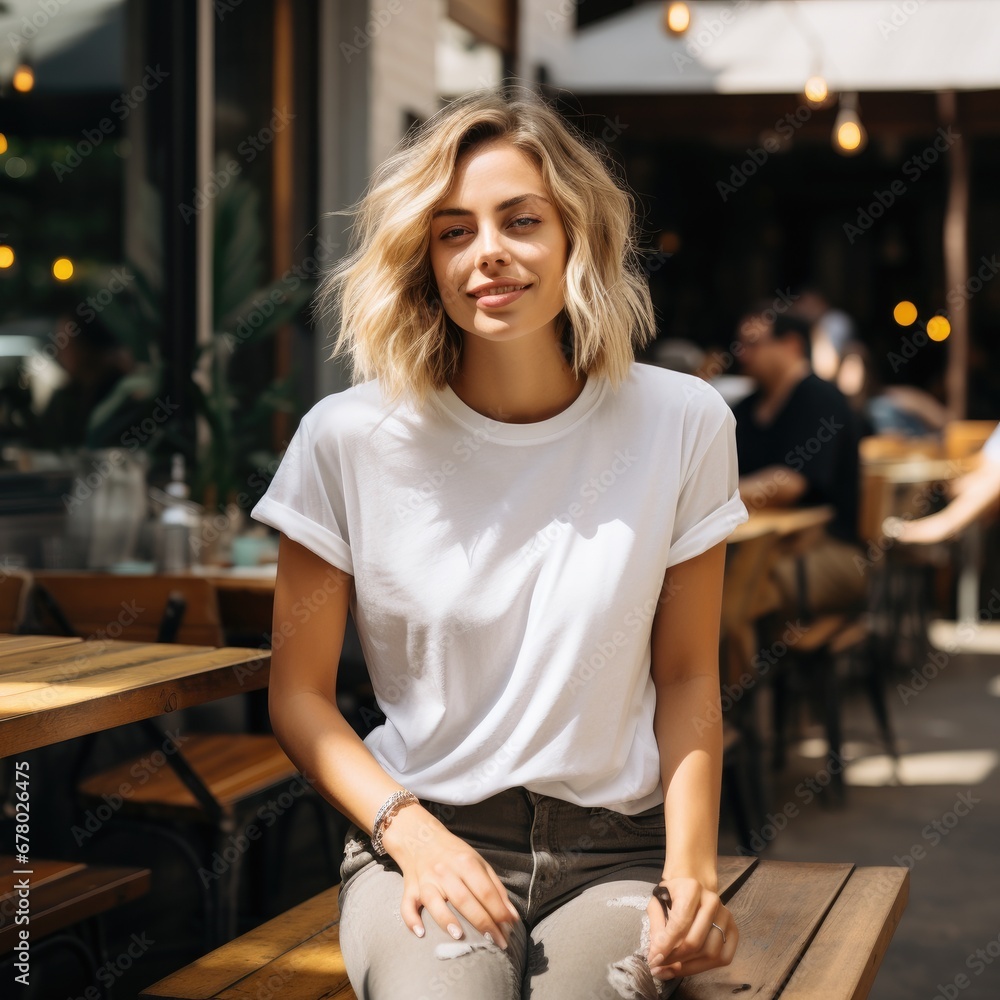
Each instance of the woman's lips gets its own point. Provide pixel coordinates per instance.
(494, 300)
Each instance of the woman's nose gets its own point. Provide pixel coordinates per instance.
(491, 251)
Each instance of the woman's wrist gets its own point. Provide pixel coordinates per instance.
(705, 875)
(411, 828)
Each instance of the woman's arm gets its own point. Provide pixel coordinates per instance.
(311, 602)
(688, 727)
(977, 493)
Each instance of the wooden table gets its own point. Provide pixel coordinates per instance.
(54, 689)
(807, 932)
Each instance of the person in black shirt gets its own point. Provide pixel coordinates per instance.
(797, 441)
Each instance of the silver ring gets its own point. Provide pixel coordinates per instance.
(721, 931)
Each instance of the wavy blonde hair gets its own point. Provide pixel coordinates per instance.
(392, 322)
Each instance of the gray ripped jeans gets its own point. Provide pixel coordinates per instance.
(581, 879)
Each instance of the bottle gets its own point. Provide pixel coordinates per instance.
(175, 523)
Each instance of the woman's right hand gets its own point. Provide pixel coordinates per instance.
(439, 868)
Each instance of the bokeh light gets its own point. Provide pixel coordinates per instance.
(938, 328)
(678, 18)
(816, 91)
(6, 256)
(62, 269)
(905, 313)
(23, 79)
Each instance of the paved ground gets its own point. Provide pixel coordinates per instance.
(943, 822)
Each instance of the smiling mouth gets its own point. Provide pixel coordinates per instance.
(500, 290)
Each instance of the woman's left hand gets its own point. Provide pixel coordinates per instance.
(698, 934)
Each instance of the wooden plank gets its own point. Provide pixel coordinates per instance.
(11, 644)
(121, 685)
(778, 910)
(733, 872)
(233, 766)
(78, 894)
(208, 976)
(844, 957)
(45, 870)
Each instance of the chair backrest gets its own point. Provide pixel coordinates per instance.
(132, 607)
(14, 586)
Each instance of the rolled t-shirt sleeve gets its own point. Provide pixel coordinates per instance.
(709, 505)
(991, 449)
(305, 500)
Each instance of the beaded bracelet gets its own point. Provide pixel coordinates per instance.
(383, 817)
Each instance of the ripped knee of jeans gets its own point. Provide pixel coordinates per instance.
(630, 976)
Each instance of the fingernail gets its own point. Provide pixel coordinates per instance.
(418, 930)
(455, 931)
(657, 960)
(489, 937)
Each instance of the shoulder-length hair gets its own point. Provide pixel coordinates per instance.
(392, 322)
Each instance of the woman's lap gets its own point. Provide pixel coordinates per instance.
(581, 881)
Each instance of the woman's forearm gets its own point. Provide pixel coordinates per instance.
(689, 734)
(322, 744)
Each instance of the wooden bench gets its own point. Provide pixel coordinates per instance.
(807, 931)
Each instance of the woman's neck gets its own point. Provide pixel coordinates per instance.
(519, 381)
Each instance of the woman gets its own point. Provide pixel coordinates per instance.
(528, 529)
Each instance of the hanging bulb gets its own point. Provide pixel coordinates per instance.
(677, 18)
(816, 91)
(23, 79)
(849, 135)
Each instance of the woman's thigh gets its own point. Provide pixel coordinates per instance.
(385, 960)
(594, 946)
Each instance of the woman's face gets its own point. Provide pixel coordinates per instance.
(498, 247)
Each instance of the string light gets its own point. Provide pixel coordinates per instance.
(849, 135)
(938, 328)
(816, 91)
(905, 313)
(6, 256)
(677, 18)
(62, 269)
(23, 79)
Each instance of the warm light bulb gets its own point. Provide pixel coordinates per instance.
(905, 313)
(938, 328)
(849, 136)
(62, 269)
(678, 18)
(6, 256)
(3, 144)
(816, 90)
(23, 79)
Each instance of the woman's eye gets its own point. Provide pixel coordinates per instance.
(450, 234)
(522, 222)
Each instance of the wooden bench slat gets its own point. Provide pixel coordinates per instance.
(44, 870)
(785, 903)
(233, 767)
(206, 977)
(12, 644)
(841, 963)
(80, 892)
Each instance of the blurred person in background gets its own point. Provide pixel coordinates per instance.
(96, 404)
(976, 493)
(797, 441)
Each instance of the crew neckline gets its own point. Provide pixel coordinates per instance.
(487, 429)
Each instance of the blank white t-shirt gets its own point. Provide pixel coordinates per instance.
(506, 574)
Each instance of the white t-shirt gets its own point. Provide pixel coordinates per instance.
(506, 574)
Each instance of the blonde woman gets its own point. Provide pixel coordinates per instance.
(528, 529)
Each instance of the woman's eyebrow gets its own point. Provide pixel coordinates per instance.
(502, 207)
